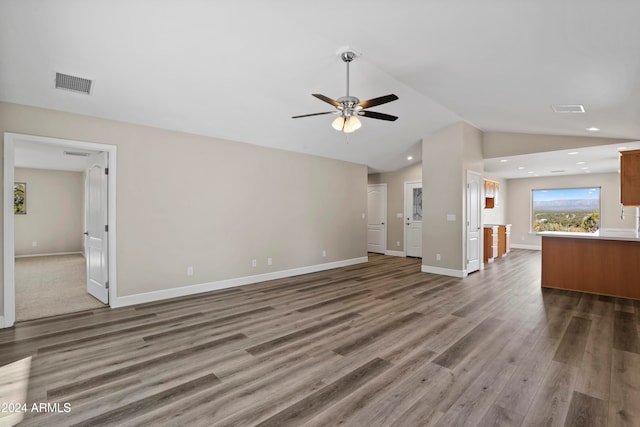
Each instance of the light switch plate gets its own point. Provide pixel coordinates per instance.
(451, 217)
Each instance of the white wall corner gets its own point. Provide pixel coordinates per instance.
(229, 283)
(2, 322)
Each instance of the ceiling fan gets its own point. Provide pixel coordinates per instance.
(349, 107)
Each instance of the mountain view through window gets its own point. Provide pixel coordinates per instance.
(566, 210)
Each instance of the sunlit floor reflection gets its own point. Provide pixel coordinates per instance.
(14, 382)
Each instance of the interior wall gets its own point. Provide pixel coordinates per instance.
(395, 201)
(519, 207)
(497, 214)
(452, 152)
(185, 200)
(498, 144)
(55, 212)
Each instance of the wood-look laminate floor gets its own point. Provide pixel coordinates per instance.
(376, 344)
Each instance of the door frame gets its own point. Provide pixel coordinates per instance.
(468, 216)
(386, 214)
(9, 313)
(408, 214)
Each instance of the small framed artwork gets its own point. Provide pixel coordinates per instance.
(20, 198)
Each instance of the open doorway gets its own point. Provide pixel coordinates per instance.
(59, 253)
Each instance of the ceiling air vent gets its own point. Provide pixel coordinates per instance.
(568, 108)
(558, 171)
(73, 83)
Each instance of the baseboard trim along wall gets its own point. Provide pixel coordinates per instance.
(49, 254)
(444, 271)
(2, 322)
(395, 253)
(229, 283)
(530, 247)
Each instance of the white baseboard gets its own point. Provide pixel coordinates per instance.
(530, 247)
(2, 322)
(395, 253)
(229, 283)
(49, 254)
(444, 271)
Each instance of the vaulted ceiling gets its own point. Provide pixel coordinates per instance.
(239, 70)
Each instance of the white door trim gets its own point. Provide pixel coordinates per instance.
(405, 213)
(9, 313)
(478, 215)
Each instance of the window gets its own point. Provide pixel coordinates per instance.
(574, 210)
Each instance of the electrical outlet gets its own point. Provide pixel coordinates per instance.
(398, 243)
(324, 253)
(34, 244)
(254, 263)
(269, 261)
(189, 271)
(437, 257)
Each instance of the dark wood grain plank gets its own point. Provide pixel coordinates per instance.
(574, 341)
(304, 409)
(586, 411)
(461, 348)
(625, 332)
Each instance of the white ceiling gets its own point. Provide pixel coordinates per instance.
(239, 70)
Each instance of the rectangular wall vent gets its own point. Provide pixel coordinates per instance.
(73, 83)
(568, 108)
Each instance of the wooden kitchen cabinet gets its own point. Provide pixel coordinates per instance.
(630, 178)
(490, 243)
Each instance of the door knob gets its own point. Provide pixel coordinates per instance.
(382, 223)
(86, 233)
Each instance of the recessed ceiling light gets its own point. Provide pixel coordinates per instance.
(593, 129)
(571, 153)
(568, 108)
(622, 148)
(585, 168)
(536, 174)
(520, 168)
(530, 172)
(587, 171)
(503, 160)
(580, 163)
(410, 158)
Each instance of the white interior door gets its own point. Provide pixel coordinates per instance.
(96, 223)
(474, 226)
(413, 216)
(377, 214)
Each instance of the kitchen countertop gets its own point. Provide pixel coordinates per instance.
(594, 236)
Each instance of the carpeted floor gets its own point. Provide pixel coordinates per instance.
(50, 285)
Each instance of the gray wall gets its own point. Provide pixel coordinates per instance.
(55, 212)
(187, 200)
(447, 155)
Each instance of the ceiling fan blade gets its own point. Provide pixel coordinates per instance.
(314, 114)
(377, 101)
(380, 116)
(327, 100)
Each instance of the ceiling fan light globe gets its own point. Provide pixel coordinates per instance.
(352, 124)
(338, 123)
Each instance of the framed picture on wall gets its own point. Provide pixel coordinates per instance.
(20, 198)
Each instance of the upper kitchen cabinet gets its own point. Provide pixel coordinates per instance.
(491, 189)
(630, 178)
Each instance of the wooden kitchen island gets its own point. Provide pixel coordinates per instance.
(593, 264)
